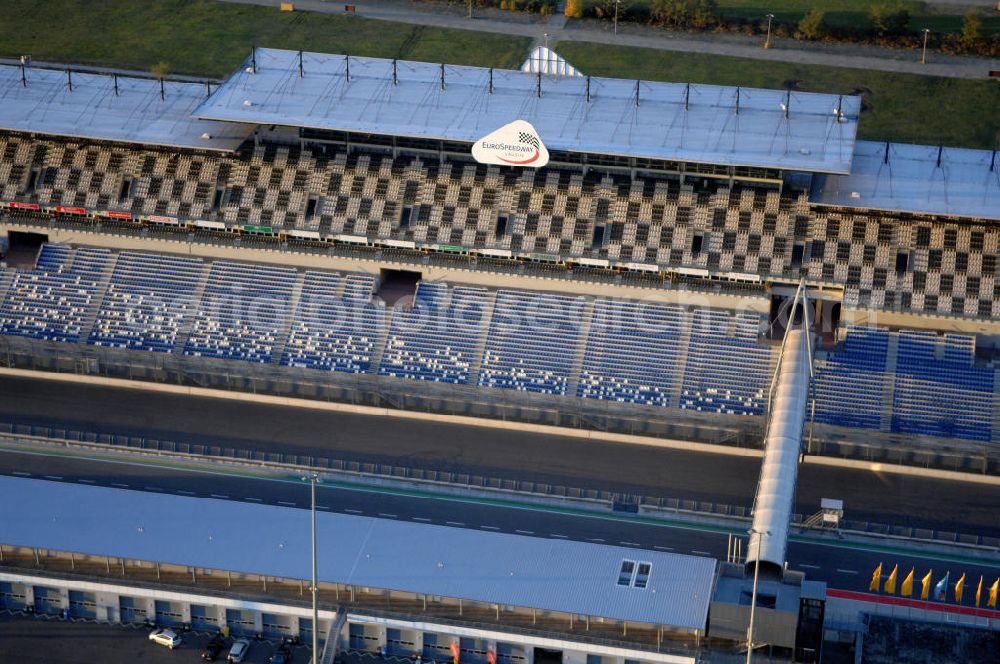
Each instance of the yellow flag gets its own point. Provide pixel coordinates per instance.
(926, 581)
(890, 583)
(876, 578)
(992, 602)
(906, 590)
(959, 587)
(979, 591)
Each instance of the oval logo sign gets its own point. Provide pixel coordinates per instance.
(514, 144)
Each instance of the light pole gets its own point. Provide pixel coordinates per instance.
(923, 55)
(767, 41)
(617, 2)
(753, 595)
(313, 481)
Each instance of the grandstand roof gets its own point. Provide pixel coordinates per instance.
(921, 179)
(709, 130)
(92, 110)
(514, 570)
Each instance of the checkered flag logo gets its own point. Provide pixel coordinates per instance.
(528, 139)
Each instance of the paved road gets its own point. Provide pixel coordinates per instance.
(558, 29)
(880, 497)
(843, 565)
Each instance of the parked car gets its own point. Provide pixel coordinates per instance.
(283, 655)
(165, 637)
(214, 648)
(239, 651)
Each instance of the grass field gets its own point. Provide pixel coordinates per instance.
(904, 107)
(211, 39)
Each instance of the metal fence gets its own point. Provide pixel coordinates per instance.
(358, 471)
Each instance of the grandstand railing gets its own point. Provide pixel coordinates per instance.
(498, 404)
(379, 391)
(401, 255)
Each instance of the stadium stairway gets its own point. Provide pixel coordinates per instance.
(889, 389)
(476, 361)
(90, 315)
(381, 338)
(678, 375)
(582, 341)
(184, 332)
(6, 276)
(286, 324)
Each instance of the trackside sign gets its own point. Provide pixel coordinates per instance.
(514, 144)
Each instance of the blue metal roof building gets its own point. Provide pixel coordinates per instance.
(491, 567)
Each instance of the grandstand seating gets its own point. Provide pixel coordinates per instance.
(727, 370)
(336, 325)
(938, 392)
(633, 352)
(439, 336)
(531, 343)
(720, 226)
(242, 312)
(847, 384)
(708, 360)
(147, 300)
(51, 302)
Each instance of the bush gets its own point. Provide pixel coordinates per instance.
(684, 13)
(160, 70)
(813, 24)
(705, 14)
(889, 20)
(972, 29)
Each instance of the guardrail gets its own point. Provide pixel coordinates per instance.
(735, 517)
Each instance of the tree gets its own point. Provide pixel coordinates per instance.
(972, 29)
(574, 9)
(813, 24)
(889, 20)
(705, 14)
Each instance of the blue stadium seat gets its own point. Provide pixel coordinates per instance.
(633, 352)
(938, 392)
(336, 325)
(436, 338)
(146, 302)
(531, 342)
(847, 384)
(51, 301)
(727, 370)
(242, 312)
